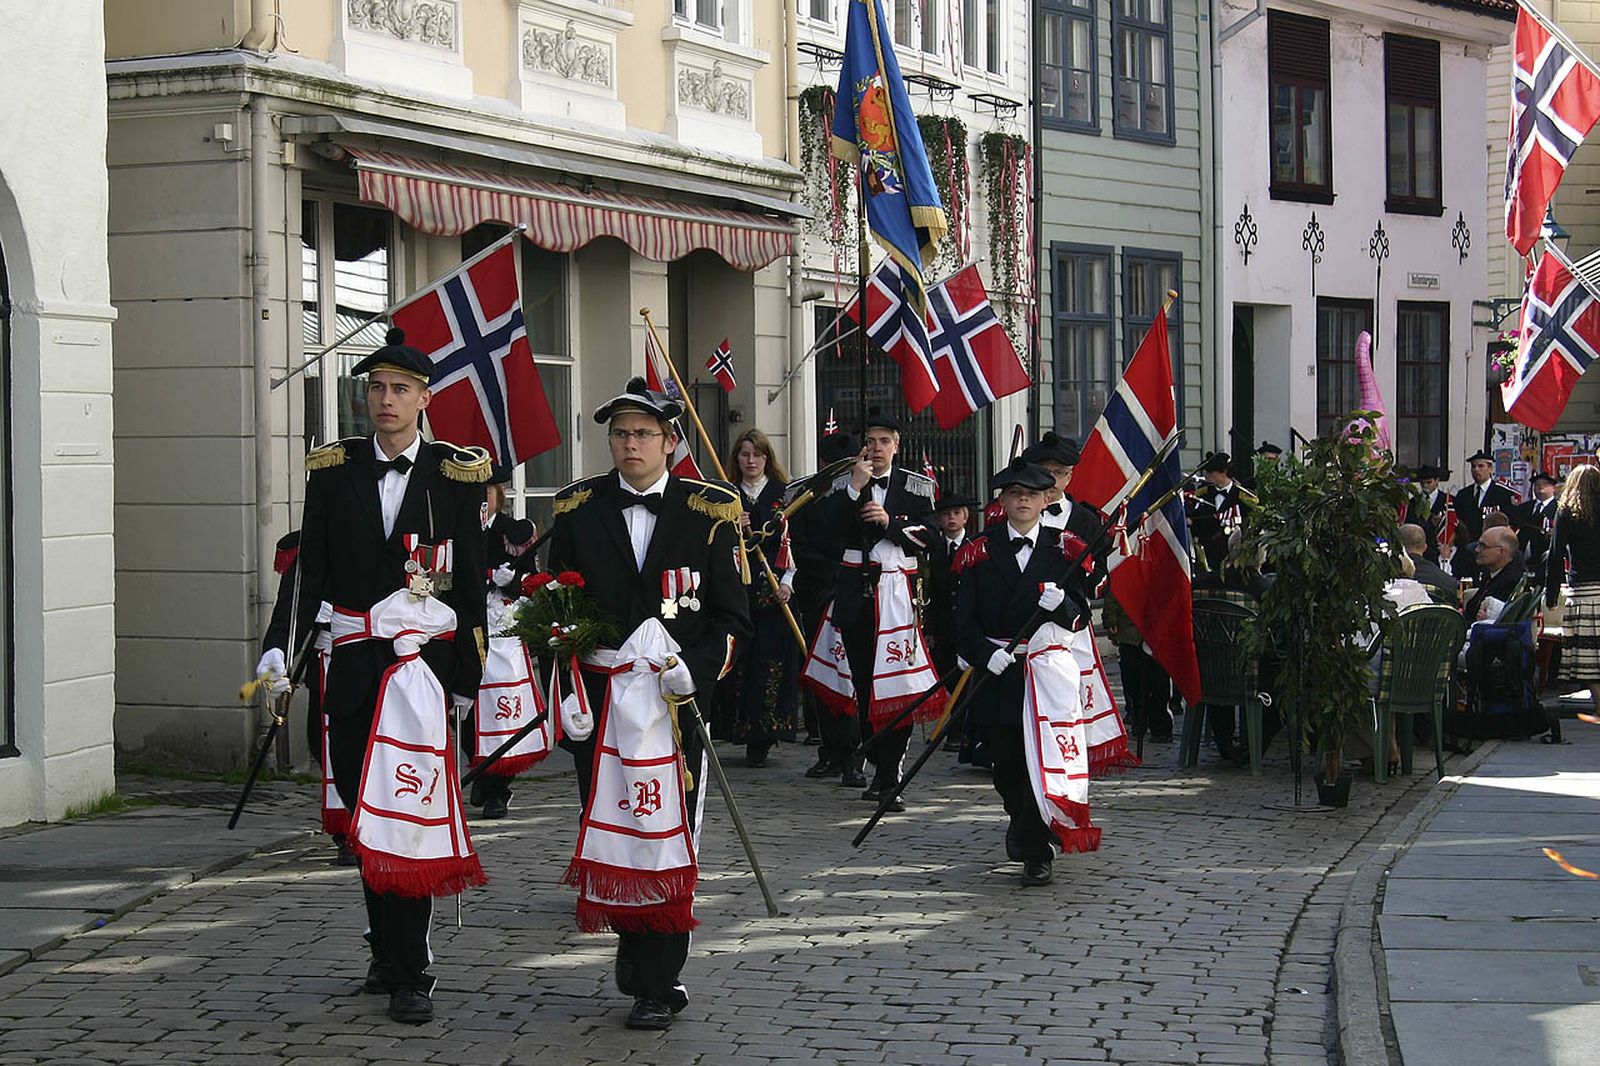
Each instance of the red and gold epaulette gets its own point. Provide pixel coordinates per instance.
(1075, 547)
(994, 513)
(971, 554)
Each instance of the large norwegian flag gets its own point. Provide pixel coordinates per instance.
(1555, 102)
(894, 325)
(1149, 563)
(1560, 338)
(486, 389)
(974, 358)
(683, 463)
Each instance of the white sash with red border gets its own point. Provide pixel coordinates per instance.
(1055, 738)
(508, 697)
(408, 827)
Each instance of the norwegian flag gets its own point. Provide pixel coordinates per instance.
(1555, 102)
(682, 463)
(1149, 559)
(831, 426)
(1560, 338)
(894, 325)
(930, 473)
(974, 358)
(720, 363)
(486, 389)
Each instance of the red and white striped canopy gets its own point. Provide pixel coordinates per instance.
(447, 200)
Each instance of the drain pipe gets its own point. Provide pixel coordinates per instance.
(262, 36)
(798, 422)
(260, 365)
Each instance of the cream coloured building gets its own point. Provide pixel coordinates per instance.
(277, 171)
(56, 645)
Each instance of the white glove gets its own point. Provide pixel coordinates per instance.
(461, 706)
(503, 575)
(273, 671)
(676, 680)
(1051, 596)
(1000, 661)
(575, 721)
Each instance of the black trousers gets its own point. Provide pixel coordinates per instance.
(841, 734)
(489, 786)
(1027, 828)
(648, 964)
(888, 755)
(1145, 687)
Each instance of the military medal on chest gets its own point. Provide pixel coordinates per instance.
(680, 590)
(429, 567)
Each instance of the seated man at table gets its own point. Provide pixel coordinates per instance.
(1415, 541)
(1501, 565)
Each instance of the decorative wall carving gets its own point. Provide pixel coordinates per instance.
(429, 22)
(708, 90)
(566, 55)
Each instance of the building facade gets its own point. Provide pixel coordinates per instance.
(281, 172)
(1351, 200)
(56, 648)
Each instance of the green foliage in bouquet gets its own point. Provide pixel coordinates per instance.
(557, 618)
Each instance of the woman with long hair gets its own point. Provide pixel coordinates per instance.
(1575, 558)
(756, 702)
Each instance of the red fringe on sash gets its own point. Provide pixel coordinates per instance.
(840, 706)
(626, 898)
(883, 711)
(512, 765)
(1080, 837)
(1112, 757)
(416, 878)
(335, 821)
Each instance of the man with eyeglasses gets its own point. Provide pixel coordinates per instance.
(1501, 565)
(652, 545)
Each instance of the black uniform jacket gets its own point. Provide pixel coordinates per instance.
(1534, 521)
(943, 582)
(697, 529)
(1469, 514)
(996, 600)
(816, 559)
(908, 498)
(1438, 507)
(346, 560)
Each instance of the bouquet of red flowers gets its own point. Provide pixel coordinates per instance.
(556, 618)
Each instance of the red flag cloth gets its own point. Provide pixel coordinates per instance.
(930, 473)
(1560, 338)
(1555, 100)
(973, 357)
(720, 363)
(683, 463)
(1149, 559)
(894, 325)
(486, 389)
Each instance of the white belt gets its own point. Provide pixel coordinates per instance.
(855, 557)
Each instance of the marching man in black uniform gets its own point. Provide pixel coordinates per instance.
(1216, 510)
(1057, 456)
(652, 546)
(384, 514)
(1484, 494)
(1006, 574)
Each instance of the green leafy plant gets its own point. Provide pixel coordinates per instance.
(1323, 530)
(945, 138)
(557, 618)
(827, 180)
(1004, 162)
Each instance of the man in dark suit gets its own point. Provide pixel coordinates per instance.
(1431, 508)
(1216, 509)
(878, 501)
(1011, 571)
(370, 503)
(1484, 494)
(1534, 520)
(622, 530)
(1502, 568)
(1414, 538)
(950, 520)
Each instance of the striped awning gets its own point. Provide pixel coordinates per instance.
(447, 201)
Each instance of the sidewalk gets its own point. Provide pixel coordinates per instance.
(1491, 950)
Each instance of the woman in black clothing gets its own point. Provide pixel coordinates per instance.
(760, 694)
(1575, 558)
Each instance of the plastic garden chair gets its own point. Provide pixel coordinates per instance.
(1419, 657)
(1227, 675)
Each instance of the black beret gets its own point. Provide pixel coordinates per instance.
(1022, 473)
(1217, 462)
(951, 500)
(1429, 472)
(398, 356)
(1544, 476)
(1480, 456)
(878, 418)
(835, 446)
(1052, 449)
(1269, 448)
(499, 475)
(637, 396)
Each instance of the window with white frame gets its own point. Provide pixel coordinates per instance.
(929, 39)
(916, 25)
(983, 35)
(703, 13)
(817, 10)
(728, 19)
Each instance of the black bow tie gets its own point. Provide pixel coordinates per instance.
(1053, 509)
(399, 464)
(879, 483)
(1018, 543)
(650, 501)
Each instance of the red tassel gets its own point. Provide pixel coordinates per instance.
(971, 553)
(1074, 839)
(882, 712)
(839, 706)
(335, 821)
(675, 916)
(284, 558)
(416, 878)
(1112, 757)
(512, 765)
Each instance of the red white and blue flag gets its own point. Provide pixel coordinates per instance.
(1560, 338)
(973, 357)
(899, 330)
(720, 363)
(682, 462)
(1149, 560)
(1555, 101)
(486, 389)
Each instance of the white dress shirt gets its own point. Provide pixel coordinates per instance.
(1057, 519)
(879, 492)
(954, 543)
(1025, 552)
(640, 522)
(392, 486)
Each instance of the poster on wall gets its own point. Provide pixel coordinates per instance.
(1563, 451)
(1515, 448)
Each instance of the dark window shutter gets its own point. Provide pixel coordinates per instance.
(1411, 67)
(1297, 47)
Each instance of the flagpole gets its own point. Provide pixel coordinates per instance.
(716, 460)
(516, 231)
(1559, 34)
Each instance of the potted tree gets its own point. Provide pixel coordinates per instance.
(1323, 529)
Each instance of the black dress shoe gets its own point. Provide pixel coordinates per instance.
(823, 768)
(876, 795)
(377, 981)
(478, 793)
(649, 1014)
(755, 756)
(410, 1006)
(1036, 873)
(1014, 850)
(347, 854)
(497, 806)
(853, 779)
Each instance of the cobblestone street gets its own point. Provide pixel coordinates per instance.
(1201, 932)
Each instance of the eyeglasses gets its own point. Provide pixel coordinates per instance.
(622, 436)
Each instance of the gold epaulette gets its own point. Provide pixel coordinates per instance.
(329, 455)
(470, 465)
(714, 499)
(574, 495)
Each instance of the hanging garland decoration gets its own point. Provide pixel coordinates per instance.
(945, 138)
(827, 183)
(1005, 162)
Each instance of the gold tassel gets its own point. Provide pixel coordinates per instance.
(571, 503)
(467, 464)
(323, 458)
